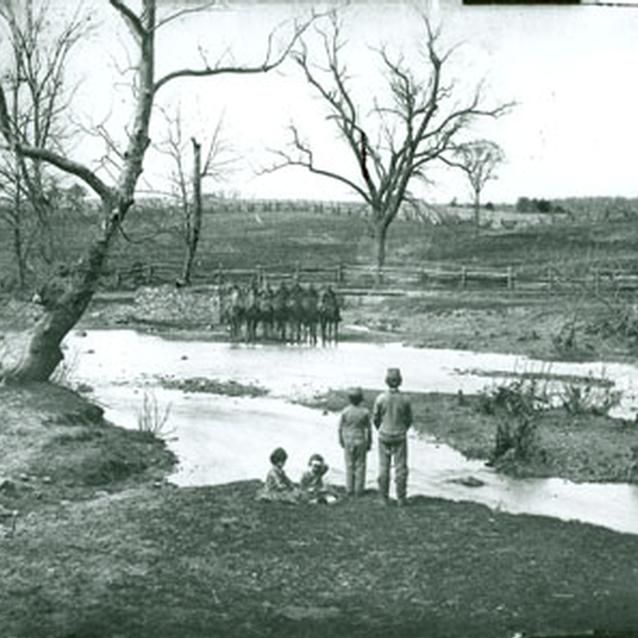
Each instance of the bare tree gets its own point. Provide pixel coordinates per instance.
(41, 350)
(392, 144)
(479, 160)
(36, 99)
(213, 164)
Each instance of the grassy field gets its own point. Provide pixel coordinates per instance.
(104, 548)
(281, 239)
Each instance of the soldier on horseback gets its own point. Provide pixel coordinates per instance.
(266, 310)
(310, 306)
(329, 315)
(236, 311)
(280, 310)
(252, 312)
(295, 311)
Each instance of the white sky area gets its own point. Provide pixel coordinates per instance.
(571, 70)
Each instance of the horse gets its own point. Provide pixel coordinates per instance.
(235, 313)
(329, 316)
(252, 314)
(294, 311)
(310, 314)
(266, 312)
(280, 311)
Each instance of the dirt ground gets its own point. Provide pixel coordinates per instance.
(96, 544)
(104, 552)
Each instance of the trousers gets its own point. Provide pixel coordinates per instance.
(355, 457)
(397, 450)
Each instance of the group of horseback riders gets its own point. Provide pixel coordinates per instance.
(286, 314)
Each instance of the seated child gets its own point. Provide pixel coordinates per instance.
(278, 487)
(312, 482)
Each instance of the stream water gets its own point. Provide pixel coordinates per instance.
(220, 438)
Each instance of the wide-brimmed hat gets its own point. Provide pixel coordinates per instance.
(393, 377)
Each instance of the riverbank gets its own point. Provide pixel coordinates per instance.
(582, 447)
(537, 326)
(103, 546)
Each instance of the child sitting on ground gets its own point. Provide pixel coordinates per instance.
(312, 482)
(278, 487)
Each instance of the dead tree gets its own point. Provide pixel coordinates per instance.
(40, 352)
(37, 97)
(216, 164)
(479, 161)
(391, 143)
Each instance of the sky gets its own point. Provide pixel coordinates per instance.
(570, 69)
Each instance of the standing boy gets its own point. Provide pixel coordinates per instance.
(393, 417)
(355, 437)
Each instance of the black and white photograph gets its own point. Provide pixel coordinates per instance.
(318, 319)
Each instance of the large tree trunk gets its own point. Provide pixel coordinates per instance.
(195, 225)
(38, 352)
(380, 235)
(477, 211)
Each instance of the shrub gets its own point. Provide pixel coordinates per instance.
(516, 405)
(152, 418)
(590, 397)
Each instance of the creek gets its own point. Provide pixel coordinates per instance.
(220, 438)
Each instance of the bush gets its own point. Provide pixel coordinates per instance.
(589, 398)
(152, 418)
(516, 405)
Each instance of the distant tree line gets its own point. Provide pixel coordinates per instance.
(538, 205)
(592, 208)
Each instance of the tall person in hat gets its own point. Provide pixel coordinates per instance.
(392, 416)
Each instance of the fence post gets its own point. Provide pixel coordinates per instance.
(118, 278)
(340, 273)
(259, 271)
(511, 278)
(596, 274)
(297, 270)
(550, 278)
(149, 274)
(463, 276)
(219, 275)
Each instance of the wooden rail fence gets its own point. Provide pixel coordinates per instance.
(414, 276)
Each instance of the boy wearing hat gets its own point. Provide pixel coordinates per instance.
(392, 416)
(355, 437)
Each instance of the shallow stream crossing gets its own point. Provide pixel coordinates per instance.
(220, 438)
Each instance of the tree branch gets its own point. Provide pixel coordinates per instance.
(129, 16)
(183, 12)
(268, 63)
(306, 160)
(68, 166)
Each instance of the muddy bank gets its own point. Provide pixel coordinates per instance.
(54, 444)
(578, 447)
(103, 547)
